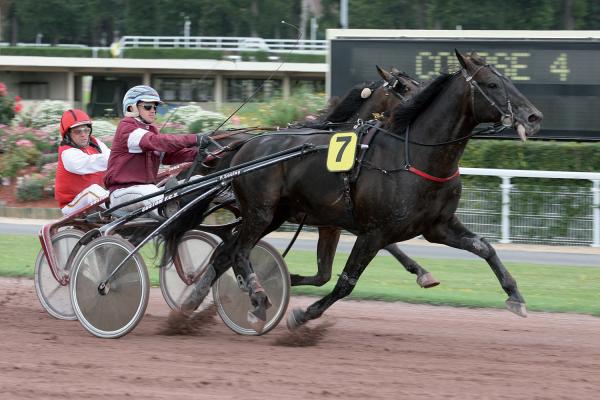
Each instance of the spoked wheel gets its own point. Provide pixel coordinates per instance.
(116, 310)
(233, 302)
(53, 296)
(195, 251)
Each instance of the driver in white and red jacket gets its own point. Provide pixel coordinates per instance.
(138, 150)
(82, 161)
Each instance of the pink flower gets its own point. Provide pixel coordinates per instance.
(24, 143)
(18, 107)
(47, 169)
(18, 98)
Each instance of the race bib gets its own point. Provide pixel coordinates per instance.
(342, 151)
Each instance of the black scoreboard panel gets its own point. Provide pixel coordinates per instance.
(561, 78)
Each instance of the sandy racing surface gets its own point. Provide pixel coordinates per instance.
(368, 350)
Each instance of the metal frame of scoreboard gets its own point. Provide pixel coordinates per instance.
(559, 71)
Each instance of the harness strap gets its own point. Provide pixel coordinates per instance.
(425, 175)
(366, 135)
(348, 194)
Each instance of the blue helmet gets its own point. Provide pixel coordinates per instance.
(139, 93)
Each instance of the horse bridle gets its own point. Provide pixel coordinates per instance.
(507, 119)
(390, 86)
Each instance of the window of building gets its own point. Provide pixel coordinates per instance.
(173, 89)
(238, 90)
(34, 90)
(311, 85)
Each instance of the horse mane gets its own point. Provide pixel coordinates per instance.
(349, 105)
(404, 114)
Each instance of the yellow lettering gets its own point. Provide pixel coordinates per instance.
(516, 66)
(560, 67)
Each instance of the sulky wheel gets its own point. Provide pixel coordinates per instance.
(115, 310)
(53, 296)
(194, 251)
(233, 302)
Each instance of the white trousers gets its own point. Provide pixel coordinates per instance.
(86, 197)
(124, 195)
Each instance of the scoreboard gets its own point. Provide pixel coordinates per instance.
(561, 77)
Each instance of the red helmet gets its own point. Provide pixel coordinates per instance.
(73, 118)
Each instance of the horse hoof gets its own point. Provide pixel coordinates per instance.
(427, 280)
(516, 307)
(295, 319)
(256, 323)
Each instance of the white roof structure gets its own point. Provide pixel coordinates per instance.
(80, 64)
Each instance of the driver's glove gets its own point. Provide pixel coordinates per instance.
(202, 141)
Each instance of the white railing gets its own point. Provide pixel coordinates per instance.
(530, 213)
(554, 209)
(227, 43)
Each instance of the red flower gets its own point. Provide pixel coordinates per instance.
(18, 98)
(18, 107)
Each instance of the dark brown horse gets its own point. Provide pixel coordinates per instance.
(364, 101)
(409, 184)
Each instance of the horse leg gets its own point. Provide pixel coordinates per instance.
(328, 240)
(365, 248)
(453, 233)
(221, 261)
(425, 279)
(253, 227)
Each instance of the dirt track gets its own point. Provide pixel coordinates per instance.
(372, 351)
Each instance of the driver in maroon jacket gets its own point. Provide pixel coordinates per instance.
(138, 150)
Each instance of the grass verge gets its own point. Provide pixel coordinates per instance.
(465, 283)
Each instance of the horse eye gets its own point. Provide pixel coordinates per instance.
(492, 85)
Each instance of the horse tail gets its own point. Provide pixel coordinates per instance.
(171, 237)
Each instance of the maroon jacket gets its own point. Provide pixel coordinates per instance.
(138, 150)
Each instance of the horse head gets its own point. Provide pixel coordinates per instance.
(494, 98)
(399, 82)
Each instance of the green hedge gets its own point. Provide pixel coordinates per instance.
(46, 51)
(151, 52)
(158, 53)
(534, 155)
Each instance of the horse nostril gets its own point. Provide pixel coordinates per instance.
(535, 117)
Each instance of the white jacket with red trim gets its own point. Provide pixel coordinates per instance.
(79, 168)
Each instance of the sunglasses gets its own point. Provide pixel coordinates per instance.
(81, 130)
(149, 106)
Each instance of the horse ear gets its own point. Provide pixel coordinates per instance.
(384, 74)
(461, 59)
(477, 59)
(405, 82)
(395, 71)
